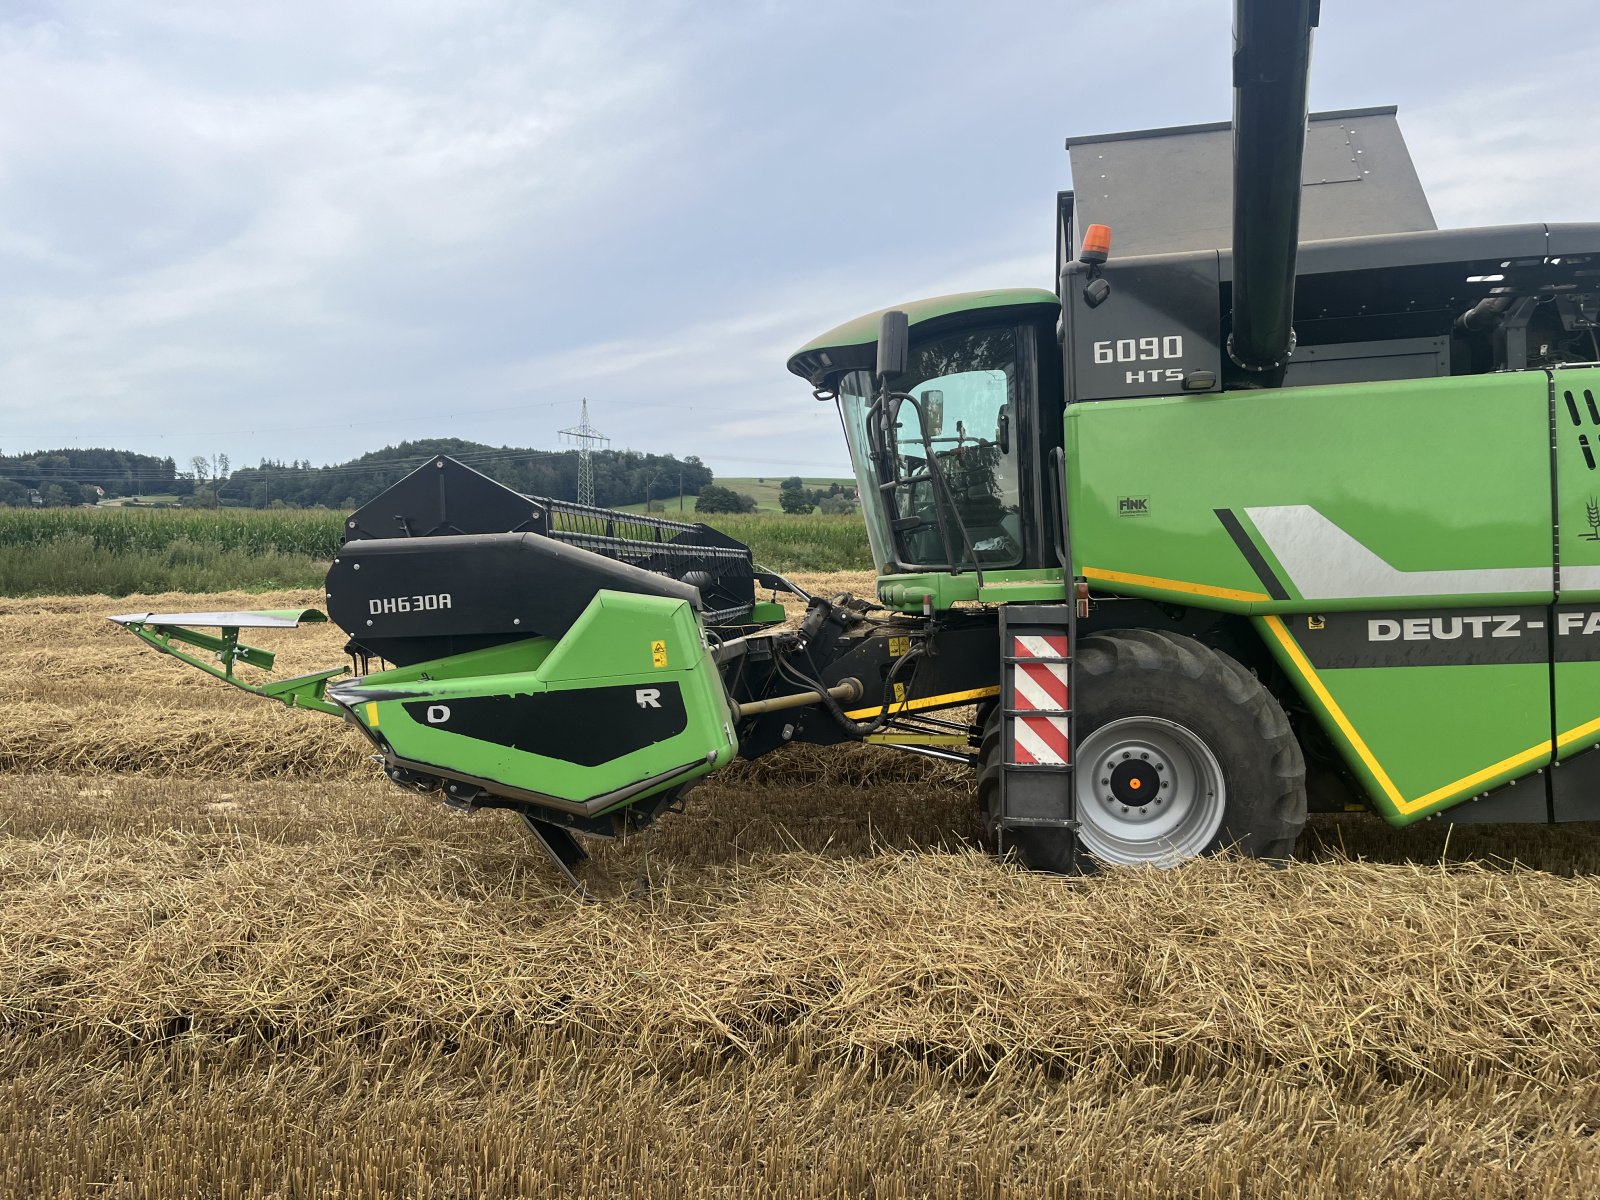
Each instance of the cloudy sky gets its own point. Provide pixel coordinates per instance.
(305, 230)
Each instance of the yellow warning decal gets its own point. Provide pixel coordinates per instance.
(372, 715)
(899, 647)
(658, 654)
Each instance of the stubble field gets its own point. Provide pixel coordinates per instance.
(235, 962)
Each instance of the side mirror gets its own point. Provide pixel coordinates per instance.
(894, 338)
(933, 412)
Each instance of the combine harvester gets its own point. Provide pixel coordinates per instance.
(1199, 532)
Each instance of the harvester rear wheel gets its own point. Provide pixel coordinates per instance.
(1181, 752)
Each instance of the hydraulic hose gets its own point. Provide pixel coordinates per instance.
(857, 729)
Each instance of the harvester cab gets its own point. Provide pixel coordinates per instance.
(1280, 492)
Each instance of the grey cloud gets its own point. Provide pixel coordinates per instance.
(303, 230)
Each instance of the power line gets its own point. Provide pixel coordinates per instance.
(191, 432)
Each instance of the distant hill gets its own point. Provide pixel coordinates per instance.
(620, 476)
(71, 476)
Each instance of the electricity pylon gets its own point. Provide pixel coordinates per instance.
(585, 437)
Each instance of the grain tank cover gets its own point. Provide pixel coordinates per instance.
(1167, 190)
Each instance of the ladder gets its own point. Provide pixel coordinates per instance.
(1036, 727)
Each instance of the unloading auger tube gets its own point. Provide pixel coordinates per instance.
(1271, 66)
(581, 666)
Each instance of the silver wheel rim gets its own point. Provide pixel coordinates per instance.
(1135, 757)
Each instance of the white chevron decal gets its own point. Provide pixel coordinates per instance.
(1326, 563)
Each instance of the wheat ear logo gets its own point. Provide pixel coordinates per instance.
(1592, 512)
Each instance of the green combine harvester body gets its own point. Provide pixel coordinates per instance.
(1406, 585)
(1215, 531)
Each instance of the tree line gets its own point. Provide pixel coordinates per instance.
(620, 476)
(60, 477)
(76, 476)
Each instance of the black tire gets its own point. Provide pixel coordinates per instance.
(1140, 673)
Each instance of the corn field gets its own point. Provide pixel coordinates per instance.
(308, 532)
(120, 551)
(236, 962)
(796, 542)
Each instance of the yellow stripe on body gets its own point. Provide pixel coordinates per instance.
(372, 714)
(948, 698)
(1171, 585)
(1465, 784)
(1470, 783)
(1578, 733)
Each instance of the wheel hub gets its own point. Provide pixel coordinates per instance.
(1134, 782)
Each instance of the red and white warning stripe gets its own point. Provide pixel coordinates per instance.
(1039, 741)
(1039, 645)
(1040, 686)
